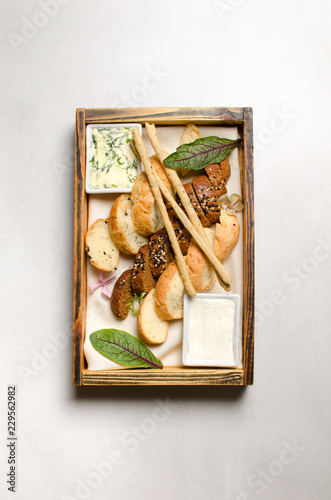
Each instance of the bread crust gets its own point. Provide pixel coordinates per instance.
(183, 237)
(206, 196)
(121, 226)
(104, 255)
(145, 212)
(157, 165)
(164, 292)
(195, 204)
(160, 252)
(227, 235)
(122, 295)
(218, 175)
(143, 206)
(142, 278)
(151, 328)
(202, 274)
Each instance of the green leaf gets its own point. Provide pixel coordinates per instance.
(200, 153)
(124, 349)
(136, 299)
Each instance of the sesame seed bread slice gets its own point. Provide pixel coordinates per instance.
(142, 278)
(100, 247)
(227, 235)
(122, 295)
(169, 294)
(182, 235)
(160, 252)
(195, 204)
(218, 175)
(152, 329)
(206, 196)
(121, 226)
(202, 274)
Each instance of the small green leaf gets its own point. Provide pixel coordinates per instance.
(124, 349)
(136, 298)
(200, 153)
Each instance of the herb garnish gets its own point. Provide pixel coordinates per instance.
(124, 349)
(136, 299)
(201, 152)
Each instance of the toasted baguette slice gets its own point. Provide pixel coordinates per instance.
(201, 272)
(195, 204)
(227, 235)
(121, 227)
(182, 235)
(190, 134)
(218, 175)
(146, 215)
(157, 165)
(142, 278)
(152, 329)
(206, 196)
(122, 295)
(103, 254)
(169, 294)
(160, 252)
(159, 169)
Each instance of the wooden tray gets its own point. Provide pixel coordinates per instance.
(243, 119)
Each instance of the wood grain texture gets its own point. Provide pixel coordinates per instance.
(241, 117)
(80, 225)
(167, 116)
(248, 299)
(167, 376)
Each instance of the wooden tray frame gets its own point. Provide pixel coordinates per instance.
(243, 119)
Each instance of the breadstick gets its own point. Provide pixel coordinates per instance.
(221, 273)
(182, 267)
(175, 181)
(225, 279)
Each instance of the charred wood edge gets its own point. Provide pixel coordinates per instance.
(167, 376)
(79, 278)
(248, 296)
(167, 116)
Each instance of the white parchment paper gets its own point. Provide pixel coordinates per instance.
(99, 314)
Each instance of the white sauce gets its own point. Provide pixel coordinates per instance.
(211, 331)
(112, 161)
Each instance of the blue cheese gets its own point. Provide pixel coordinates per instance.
(112, 163)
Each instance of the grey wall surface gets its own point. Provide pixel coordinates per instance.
(270, 441)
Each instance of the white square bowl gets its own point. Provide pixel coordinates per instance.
(188, 304)
(88, 149)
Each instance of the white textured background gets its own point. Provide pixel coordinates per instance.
(270, 441)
